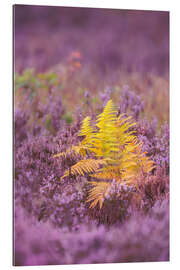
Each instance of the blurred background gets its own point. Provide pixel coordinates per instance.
(106, 40)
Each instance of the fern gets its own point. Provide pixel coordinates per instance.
(116, 153)
(73, 151)
(98, 193)
(84, 167)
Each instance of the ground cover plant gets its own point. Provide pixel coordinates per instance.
(91, 136)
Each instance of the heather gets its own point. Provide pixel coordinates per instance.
(92, 244)
(88, 61)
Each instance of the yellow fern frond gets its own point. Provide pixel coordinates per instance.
(86, 128)
(98, 193)
(105, 143)
(108, 116)
(116, 150)
(83, 167)
(73, 151)
(106, 175)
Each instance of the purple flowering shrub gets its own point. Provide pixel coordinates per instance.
(37, 185)
(156, 144)
(140, 239)
(20, 126)
(121, 201)
(116, 206)
(59, 208)
(130, 103)
(39, 106)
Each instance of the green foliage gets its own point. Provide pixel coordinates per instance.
(30, 80)
(25, 80)
(68, 118)
(116, 153)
